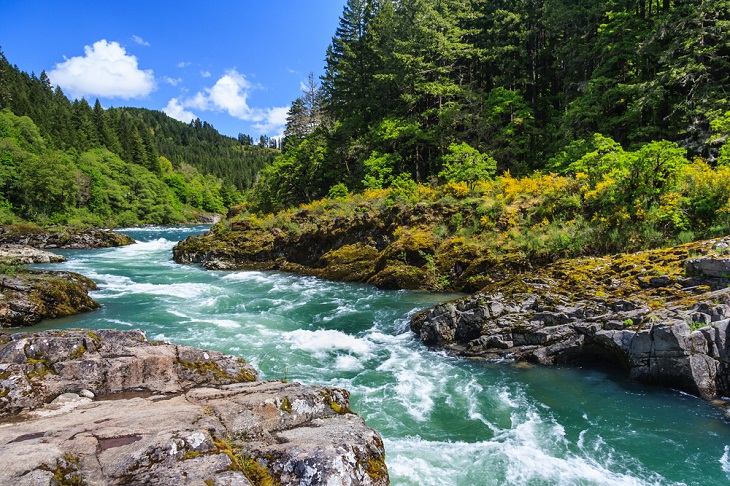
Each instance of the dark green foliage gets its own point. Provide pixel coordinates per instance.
(527, 82)
(198, 144)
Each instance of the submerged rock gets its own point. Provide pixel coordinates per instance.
(110, 407)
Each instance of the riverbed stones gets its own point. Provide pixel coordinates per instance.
(111, 407)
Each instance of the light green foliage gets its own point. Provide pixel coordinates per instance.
(721, 132)
(402, 189)
(464, 163)
(338, 191)
(94, 187)
(379, 170)
(301, 174)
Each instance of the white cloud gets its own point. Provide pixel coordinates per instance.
(105, 70)
(274, 121)
(183, 64)
(140, 41)
(205, 74)
(230, 94)
(172, 81)
(177, 111)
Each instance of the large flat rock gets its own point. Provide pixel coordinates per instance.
(110, 407)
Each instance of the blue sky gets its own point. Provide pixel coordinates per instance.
(235, 64)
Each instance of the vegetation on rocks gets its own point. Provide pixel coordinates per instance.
(453, 237)
(126, 412)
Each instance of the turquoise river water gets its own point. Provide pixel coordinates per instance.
(444, 420)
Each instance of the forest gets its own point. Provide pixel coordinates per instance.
(66, 162)
(412, 86)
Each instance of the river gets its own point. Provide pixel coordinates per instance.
(444, 420)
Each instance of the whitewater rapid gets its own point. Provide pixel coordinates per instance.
(444, 420)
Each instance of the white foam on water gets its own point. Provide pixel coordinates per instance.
(389, 339)
(187, 291)
(341, 311)
(158, 229)
(348, 363)
(135, 249)
(224, 323)
(725, 461)
(324, 341)
(415, 392)
(514, 459)
(211, 301)
(256, 277)
(506, 398)
(121, 323)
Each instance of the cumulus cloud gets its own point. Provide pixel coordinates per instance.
(230, 94)
(183, 64)
(205, 74)
(104, 70)
(177, 111)
(140, 41)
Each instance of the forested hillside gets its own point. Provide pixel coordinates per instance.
(236, 161)
(520, 85)
(65, 162)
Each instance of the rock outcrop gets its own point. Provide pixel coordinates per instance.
(685, 349)
(27, 296)
(669, 329)
(25, 255)
(79, 239)
(391, 247)
(110, 407)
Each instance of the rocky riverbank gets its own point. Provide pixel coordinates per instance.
(25, 255)
(110, 407)
(26, 296)
(660, 316)
(71, 238)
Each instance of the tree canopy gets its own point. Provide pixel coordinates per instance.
(526, 82)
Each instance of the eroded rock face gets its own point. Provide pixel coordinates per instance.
(109, 407)
(652, 345)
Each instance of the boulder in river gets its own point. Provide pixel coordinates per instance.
(28, 296)
(25, 255)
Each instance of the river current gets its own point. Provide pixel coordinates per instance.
(444, 421)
